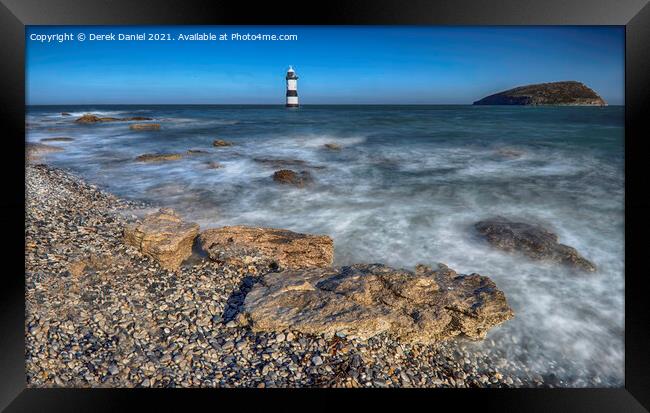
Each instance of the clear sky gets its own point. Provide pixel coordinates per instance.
(345, 64)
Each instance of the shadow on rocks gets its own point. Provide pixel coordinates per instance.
(235, 302)
(198, 255)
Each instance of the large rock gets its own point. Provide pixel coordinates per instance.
(88, 118)
(289, 177)
(533, 241)
(164, 236)
(364, 300)
(221, 143)
(570, 93)
(277, 248)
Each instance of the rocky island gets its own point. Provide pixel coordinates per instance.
(567, 93)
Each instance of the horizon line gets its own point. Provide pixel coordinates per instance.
(302, 104)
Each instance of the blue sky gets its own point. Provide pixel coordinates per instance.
(363, 64)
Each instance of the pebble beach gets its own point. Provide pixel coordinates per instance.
(101, 314)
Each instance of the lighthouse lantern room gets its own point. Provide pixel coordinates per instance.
(292, 88)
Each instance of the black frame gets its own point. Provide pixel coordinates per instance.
(633, 14)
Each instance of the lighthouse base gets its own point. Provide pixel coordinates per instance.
(292, 105)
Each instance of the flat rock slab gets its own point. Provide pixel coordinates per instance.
(90, 118)
(163, 236)
(145, 126)
(158, 157)
(279, 248)
(364, 300)
(533, 241)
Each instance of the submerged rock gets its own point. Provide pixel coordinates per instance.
(364, 300)
(163, 236)
(65, 114)
(533, 241)
(221, 142)
(284, 163)
(197, 152)
(276, 162)
(145, 126)
(510, 153)
(30, 146)
(277, 248)
(157, 157)
(289, 177)
(57, 139)
(332, 146)
(214, 165)
(34, 151)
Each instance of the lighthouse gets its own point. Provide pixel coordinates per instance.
(292, 88)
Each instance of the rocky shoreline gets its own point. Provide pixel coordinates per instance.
(100, 313)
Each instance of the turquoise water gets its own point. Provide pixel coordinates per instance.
(405, 188)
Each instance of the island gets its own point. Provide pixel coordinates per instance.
(568, 93)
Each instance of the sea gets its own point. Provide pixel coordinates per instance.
(406, 187)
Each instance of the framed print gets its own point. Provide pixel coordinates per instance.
(441, 199)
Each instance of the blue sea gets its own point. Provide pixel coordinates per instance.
(405, 188)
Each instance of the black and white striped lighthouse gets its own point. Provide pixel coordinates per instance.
(292, 88)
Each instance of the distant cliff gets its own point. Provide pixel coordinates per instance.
(555, 93)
